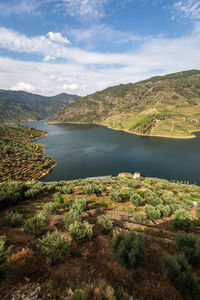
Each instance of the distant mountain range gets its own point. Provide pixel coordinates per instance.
(167, 106)
(16, 106)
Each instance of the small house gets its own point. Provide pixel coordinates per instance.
(136, 175)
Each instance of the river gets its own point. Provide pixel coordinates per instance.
(88, 150)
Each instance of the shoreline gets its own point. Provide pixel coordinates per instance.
(128, 131)
(52, 167)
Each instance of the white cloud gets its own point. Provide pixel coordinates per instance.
(188, 8)
(71, 87)
(85, 71)
(89, 9)
(23, 86)
(18, 7)
(98, 34)
(48, 58)
(57, 37)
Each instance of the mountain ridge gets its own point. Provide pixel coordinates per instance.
(166, 106)
(17, 106)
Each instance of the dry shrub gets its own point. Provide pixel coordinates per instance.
(26, 263)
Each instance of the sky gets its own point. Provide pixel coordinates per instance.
(79, 47)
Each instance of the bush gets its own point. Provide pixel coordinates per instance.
(174, 207)
(70, 217)
(182, 220)
(180, 274)
(165, 210)
(78, 205)
(198, 212)
(35, 224)
(80, 231)
(14, 219)
(151, 198)
(152, 212)
(115, 196)
(88, 189)
(168, 199)
(189, 244)
(68, 189)
(58, 198)
(140, 218)
(79, 295)
(195, 195)
(128, 249)
(11, 192)
(136, 199)
(50, 207)
(3, 254)
(105, 222)
(53, 246)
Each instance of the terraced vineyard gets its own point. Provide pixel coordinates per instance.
(20, 159)
(111, 238)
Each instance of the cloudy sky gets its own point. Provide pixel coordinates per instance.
(81, 46)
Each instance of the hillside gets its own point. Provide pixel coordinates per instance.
(167, 106)
(18, 106)
(20, 159)
(113, 239)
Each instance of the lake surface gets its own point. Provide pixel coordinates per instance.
(89, 150)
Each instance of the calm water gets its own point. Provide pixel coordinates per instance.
(86, 151)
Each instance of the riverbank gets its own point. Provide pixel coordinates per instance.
(128, 131)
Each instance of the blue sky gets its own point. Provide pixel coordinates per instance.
(81, 46)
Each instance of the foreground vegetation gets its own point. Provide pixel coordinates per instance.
(112, 238)
(167, 106)
(20, 159)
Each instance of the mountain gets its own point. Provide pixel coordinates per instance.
(167, 106)
(20, 106)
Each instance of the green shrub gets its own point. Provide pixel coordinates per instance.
(141, 193)
(195, 195)
(165, 210)
(152, 212)
(79, 205)
(3, 254)
(68, 189)
(58, 198)
(14, 219)
(115, 196)
(79, 295)
(35, 224)
(168, 199)
(53, 246)
(98, 189)
(70, 217)
(189, 244)
(50, 207)
(174, 207)
(198, 212)
(128, 249)
(175, 192)
(88, 189)
(136, 199)
(182, 220)
(151, 198)
(180, 274)
(105, 222)
(140, 218)
(11, 192)
(132, 184)
(80, 231)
